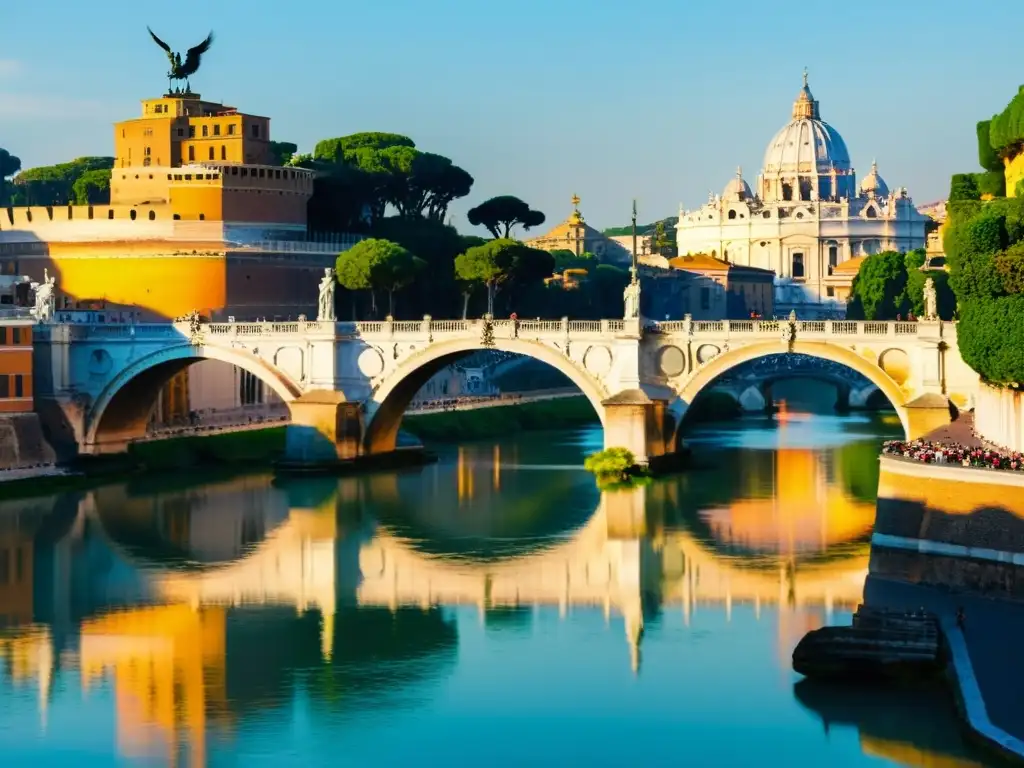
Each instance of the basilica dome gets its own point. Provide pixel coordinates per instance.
(807, 144)
(873, 184)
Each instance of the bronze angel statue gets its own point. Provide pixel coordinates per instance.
(182, 70)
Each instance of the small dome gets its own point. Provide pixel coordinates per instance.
(737, 188)
(873, 185)
(807, 144)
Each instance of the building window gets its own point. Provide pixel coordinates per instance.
(231, 130)
(191, 131)
(202, 217)
(216, 130)
(223, 152)
(5, 387)
(705, 298)
(787, 191)
(19, 385)
(797, 270)
(830, 291)
(152, 215)
(181, 132)
(211, 153)
(871, 213)
(191, 154)
(732, 214)
(833, 258)
(206, 130)
(255, 130)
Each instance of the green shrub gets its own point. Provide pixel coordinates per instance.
(991, 183)
(991, 338)
(963, 187)
(1009, 264)
(1007, 128)
(988, 158)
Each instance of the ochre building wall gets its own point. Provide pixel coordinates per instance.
(16, 367)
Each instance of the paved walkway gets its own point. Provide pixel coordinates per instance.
(992, 633)
(960, 431)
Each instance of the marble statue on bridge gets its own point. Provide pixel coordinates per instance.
(325, 310)
(631, 297)
(45, 297)
(930, 300)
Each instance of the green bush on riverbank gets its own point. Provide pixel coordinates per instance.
(252, 446)
(480, 423)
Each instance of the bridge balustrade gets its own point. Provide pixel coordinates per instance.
(502, 328)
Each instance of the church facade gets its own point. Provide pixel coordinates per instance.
(805, 216)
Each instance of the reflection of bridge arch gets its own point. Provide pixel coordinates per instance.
(391, 399)
(608, 562)
(835, 353)
(121, 411)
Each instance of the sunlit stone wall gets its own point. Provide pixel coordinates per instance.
(999, 416)
(950, 526)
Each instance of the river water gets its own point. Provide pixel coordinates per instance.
(492, 609)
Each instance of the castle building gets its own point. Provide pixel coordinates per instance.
(200, 218)
(805, 216)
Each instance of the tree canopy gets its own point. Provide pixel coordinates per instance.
(891, 284)
(282, 152)
(364, 174)
(55, 184)
(502, 261)
(9, 165)
(500, 214)
(377, 265)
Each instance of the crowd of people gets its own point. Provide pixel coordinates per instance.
(967, 456)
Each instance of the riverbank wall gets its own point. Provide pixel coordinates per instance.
(959, 528)
(999, 416)
(22, 443)
(498, 420)
(254, 449)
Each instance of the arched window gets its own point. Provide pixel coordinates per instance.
(871, 213)
(833, 257)
(192, 153)
(132, 214)
(732, 214)
(211, 154)
(797, 269)
(223, 152)
(152, 215)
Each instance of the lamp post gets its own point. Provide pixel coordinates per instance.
(633, 268)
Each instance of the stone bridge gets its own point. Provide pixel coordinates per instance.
(348, 384)
(751, 384)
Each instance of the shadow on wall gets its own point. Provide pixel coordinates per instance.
(951, 518)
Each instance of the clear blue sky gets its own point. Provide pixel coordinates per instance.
(657, 99)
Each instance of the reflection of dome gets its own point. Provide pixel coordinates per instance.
(807, 144)
(737, 188)
(873, 184)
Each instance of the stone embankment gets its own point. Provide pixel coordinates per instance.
(22, 445)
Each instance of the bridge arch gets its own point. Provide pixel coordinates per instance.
(121, 411)
(390, 400)
(725, 362)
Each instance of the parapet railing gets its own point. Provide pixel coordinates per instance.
(388, 329)
(818, 328)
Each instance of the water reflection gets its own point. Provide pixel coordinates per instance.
(198, 612)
